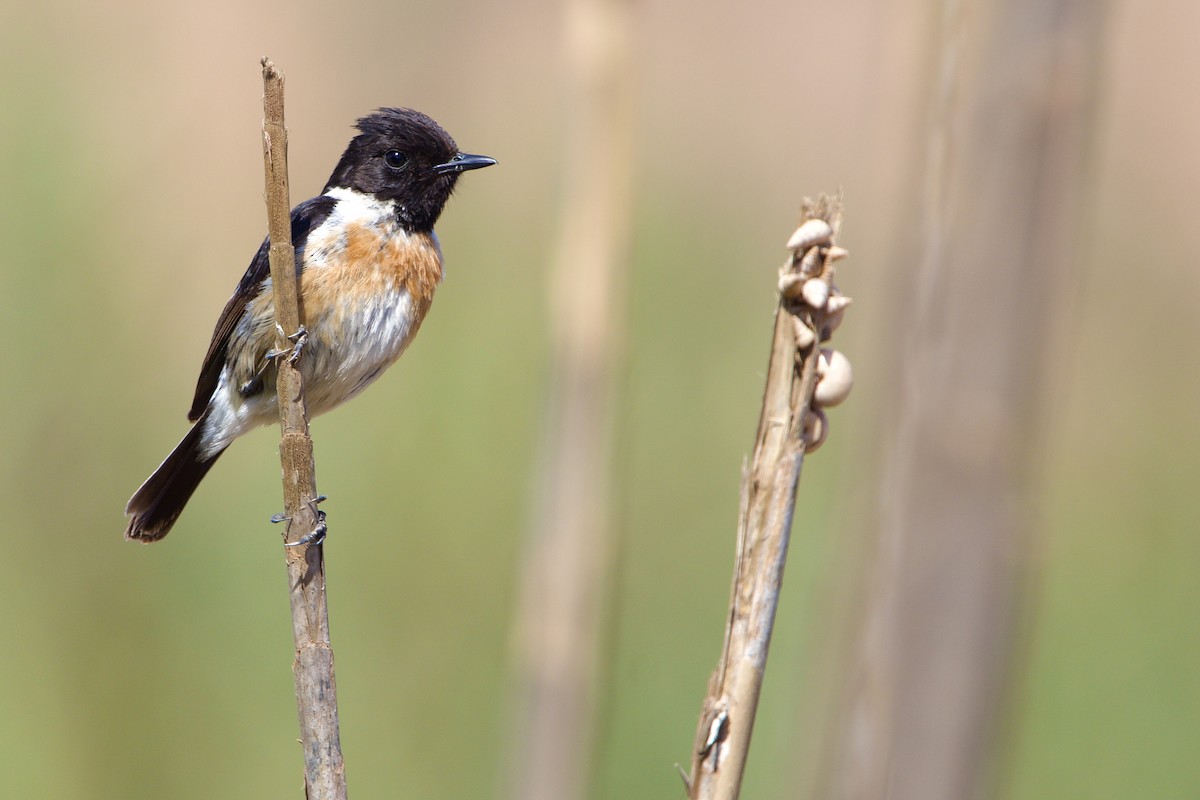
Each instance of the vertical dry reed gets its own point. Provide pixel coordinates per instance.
(1004, 173)
(790, 424)
(316, 690)
(567, 566)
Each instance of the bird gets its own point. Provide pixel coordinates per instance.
(367, 265)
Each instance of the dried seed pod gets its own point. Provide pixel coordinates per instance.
(835, 378)
(815, 292)
(816, 427)
(805, 335)
(811, 232)
(836, 253)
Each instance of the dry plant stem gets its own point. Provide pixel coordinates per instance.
(930, 680)
(316, 690)
(767, 501)
(566, 580)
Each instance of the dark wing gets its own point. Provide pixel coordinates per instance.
(305, 217)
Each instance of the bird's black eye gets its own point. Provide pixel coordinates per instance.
(395, 159)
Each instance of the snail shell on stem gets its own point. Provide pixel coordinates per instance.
(812, 232)
(816, 426)
(835, 378)
(815, 292)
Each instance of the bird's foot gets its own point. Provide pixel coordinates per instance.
(298, 340)
(317, 534)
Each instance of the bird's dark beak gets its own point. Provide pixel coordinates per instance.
(463, 162)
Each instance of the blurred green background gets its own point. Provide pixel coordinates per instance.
(129, 151)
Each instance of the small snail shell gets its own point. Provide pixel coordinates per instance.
(815, 292)
(805, 335)
(835, 378)
(811, 232)
(816, 426)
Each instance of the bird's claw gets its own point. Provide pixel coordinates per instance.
(315, 536)
(298, 340)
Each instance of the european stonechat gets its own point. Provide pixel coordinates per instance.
(367, 262)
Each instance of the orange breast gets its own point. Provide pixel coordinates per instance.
(370, 262)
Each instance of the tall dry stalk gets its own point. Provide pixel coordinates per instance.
(1005, 173)
(789, 423)
(567, 564)
(316, 689)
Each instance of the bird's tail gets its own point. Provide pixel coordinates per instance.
(154, 507)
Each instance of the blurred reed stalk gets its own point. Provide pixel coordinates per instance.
(566, 572)
(931, 677)
(316, 690)
(787, 425)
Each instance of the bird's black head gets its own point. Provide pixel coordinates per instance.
(404, 156)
